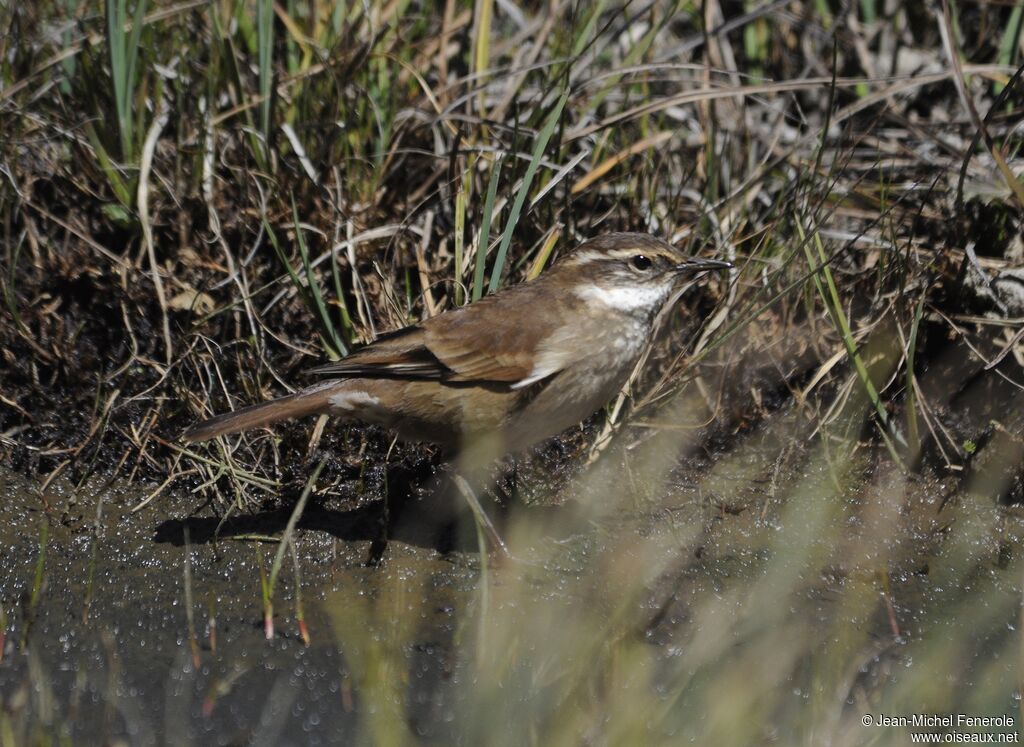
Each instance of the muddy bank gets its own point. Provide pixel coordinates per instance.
(104, 649)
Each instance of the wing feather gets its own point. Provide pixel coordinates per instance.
(485, 341)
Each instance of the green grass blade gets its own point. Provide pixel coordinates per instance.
(587, 34)
(484, 241)
(1008, 44)
(348, 330)
(106, 164)
(296, 281)
(230, 55)
(116, 13)
(868, 11)
(835, 308)
(131, 74)
(265, 32)
(124, 56)
(524, 190)
(37, 581)
(332, 340)
(460, 240)
(289, 529)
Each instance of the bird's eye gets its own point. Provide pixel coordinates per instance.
(642, 262)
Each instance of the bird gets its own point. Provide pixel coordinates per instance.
(520, 365)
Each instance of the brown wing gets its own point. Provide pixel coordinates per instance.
(486, 341)
(402, 355)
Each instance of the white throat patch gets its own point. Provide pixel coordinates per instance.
(626, 299)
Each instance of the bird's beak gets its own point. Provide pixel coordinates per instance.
(697, 264)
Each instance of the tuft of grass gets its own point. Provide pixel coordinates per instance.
(124, 33)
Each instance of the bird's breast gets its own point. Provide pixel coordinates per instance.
(580, 389)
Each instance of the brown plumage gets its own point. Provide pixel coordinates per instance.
(526, 362)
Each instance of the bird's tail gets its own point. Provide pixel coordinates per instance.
(307, 402)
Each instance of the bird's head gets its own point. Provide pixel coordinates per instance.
(629, 271)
